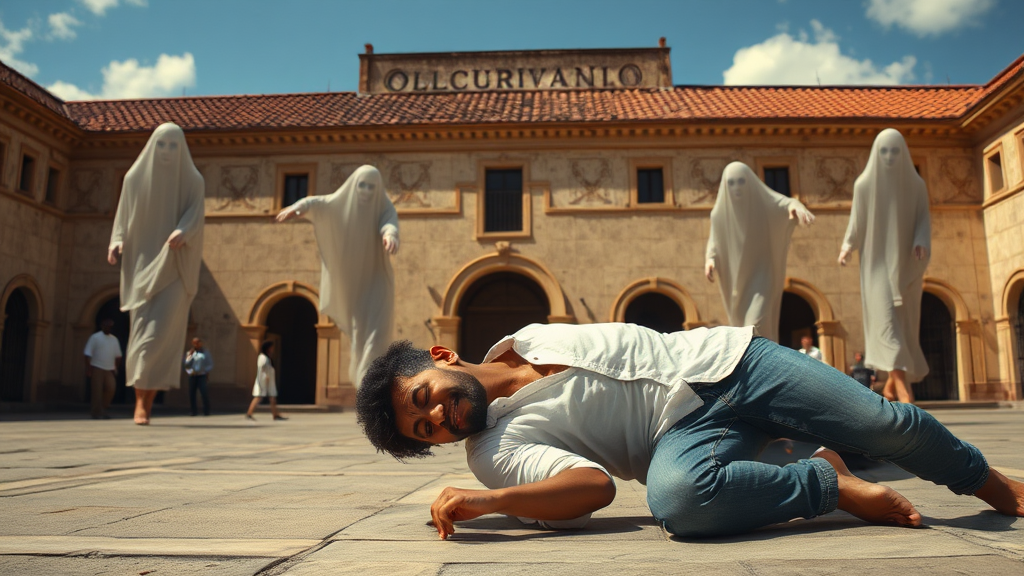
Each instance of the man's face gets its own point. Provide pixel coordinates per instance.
(439, 406)
(107, 326)
(806, 342)
(197, 343)
(858, 357)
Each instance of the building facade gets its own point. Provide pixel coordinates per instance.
(550, 186)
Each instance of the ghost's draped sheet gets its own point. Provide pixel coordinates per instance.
(357, 285)
(162, 192)
(749, 241)
(889, 218)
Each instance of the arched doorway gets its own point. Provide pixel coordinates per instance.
(655, 311)
(291, 324)
(1018, 328)
(122, 328)
(938, 341)
(796, 320)
(495, 306)
(14, 347)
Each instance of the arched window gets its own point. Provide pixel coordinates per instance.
(655, 311)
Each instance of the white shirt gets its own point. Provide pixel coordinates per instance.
(626, 386)
(814, 352)
(102, 350)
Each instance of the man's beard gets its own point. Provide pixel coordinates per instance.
(468, 389)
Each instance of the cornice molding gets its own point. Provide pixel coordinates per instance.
(53, 125)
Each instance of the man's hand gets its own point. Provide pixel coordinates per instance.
(113, 253)
(176, 239)
(390, 244)
(455, 504)
(709, 270)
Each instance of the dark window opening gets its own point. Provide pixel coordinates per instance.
(52, 181)
(995, 172)
(28, 167)
(657, 312)
(503, 201)
(296, 187)
(14, 348)
(650, 186)
(778, 179)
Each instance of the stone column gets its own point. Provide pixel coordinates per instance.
(965, 330)
(1008, 374)
(833, 347)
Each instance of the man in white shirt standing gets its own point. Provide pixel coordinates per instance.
(102, 360)
(807, 347)
(555, 411)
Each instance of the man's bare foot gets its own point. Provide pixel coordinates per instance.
(1003, 494)
(869, 501)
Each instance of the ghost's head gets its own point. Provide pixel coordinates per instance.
(890, 148)
(166, 149)
(736, 180)
(365, 189)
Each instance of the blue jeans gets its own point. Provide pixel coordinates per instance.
(703, 480)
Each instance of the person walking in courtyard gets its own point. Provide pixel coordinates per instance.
(158, 233)
(751, 226)
(266, 383)
(102, 361)
(555, 411)
(807, 347)
(891, 228)
(357, 232)
(862, 373)
(198, 364)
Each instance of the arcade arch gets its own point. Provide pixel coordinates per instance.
(22, 331)
(448, 321)
(830, 338)
(662, 286)
(331, 354)
(969, 348)
(1010, 333)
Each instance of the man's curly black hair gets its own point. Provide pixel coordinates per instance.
(374, 408)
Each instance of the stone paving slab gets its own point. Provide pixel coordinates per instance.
(310, 496)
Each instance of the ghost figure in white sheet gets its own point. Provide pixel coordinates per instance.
(891, 228)
(751, 226)
(356, 231)
(158, 231)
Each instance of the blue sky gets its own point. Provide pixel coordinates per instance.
(138, 48)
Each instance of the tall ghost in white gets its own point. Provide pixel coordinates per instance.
(158, 231)
(356, 229)
(891, 228)
(751, 226)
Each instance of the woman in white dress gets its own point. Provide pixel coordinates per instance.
(356, 230)
(751, 225)
(158, 233)
(891, 228)
(266, 383)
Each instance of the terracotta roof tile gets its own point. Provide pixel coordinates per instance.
(681, 103)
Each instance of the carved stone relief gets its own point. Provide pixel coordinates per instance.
(705, 176)
(835, 176)
(592, 175)
(85, 188)
(237, 187)
(340, 171)
(957, 181)
(407, 182)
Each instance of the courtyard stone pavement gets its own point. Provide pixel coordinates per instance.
(215, 496)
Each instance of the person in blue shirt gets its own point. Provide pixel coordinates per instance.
(198, 363)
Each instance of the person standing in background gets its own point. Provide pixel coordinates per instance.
(807, 347)
(266, 383)
(862, 373)
(102, 360)
(198, 363)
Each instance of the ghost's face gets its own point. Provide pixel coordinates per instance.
(889, 153)
(736, 183)
(365, 190)
(166, 150)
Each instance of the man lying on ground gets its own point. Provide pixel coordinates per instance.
(555, 411)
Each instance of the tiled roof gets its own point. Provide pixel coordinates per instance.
(681, 103)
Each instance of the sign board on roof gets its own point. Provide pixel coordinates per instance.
(514, 70)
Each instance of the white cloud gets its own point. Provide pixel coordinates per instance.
(129, 79)
(12, 43)
(928, 17)
(100, 7)
(62, 26)
(787, 60)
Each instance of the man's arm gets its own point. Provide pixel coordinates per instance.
(569, 494)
